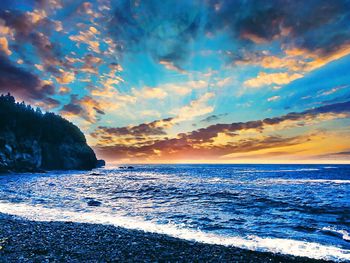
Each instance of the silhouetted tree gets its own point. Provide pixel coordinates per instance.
(26, 122)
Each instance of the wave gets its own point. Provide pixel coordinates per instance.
(274, 245)
(303, 181)
(284, 170)
(343, 233)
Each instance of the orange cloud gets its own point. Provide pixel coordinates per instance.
(4, 46)
(65, 77)
(264, 79)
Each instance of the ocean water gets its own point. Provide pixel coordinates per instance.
(302, 210)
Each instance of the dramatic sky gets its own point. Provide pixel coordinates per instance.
(187, 81)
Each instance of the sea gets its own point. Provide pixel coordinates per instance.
(300, 210)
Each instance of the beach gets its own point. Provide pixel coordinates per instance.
(31, 241)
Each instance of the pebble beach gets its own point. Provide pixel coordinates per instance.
(31, 241)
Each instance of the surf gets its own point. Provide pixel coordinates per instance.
(251, 242)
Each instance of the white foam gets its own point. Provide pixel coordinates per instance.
(345, 235)
(275, 245)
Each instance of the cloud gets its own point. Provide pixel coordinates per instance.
(342, 153)
(4, 46)
(171, 66)
(87, 108)
(214, 117)
(145, 129)
(88, 37)
(223, 82)
(273, 98)
(179, 149)
(22, 83)
(332, 90)
(216, 140)
(64, 90)
(150, 93)
(49, 4)
(291, 63)
(65, 77)
(34, 28)
(183, 88)
(310, 35)
(149, 26)
(289, 21)
(48, 104)
(90, 64)
(146, 113)
(195, 108)
(264, 79)
(341, 156)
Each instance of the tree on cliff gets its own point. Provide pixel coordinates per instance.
(23, 120)
(27, 132)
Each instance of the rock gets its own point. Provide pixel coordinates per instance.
(94, 203)
(95, 173)
(126, 167)
(101, 163)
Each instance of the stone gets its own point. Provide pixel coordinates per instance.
(94, 203)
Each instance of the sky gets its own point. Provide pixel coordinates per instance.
(187, 81)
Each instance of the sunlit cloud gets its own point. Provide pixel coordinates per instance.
(273, 78)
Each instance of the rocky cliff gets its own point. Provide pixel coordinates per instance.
(33, 141)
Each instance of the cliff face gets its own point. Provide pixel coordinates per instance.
(32, 141)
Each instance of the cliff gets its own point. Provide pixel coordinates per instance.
(33, 141)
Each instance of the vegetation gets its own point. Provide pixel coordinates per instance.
(26, 122)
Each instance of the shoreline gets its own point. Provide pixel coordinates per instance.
(33, 241)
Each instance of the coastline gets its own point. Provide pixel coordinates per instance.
(32, 241)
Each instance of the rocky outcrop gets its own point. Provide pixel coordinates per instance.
(29, 155)
(31, 141)
(19, 156)
(68, 156)
(101, 163)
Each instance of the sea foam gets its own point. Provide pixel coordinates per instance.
(275, 245)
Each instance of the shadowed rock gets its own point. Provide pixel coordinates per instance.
(94, 203)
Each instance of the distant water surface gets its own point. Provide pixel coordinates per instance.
(292, 209)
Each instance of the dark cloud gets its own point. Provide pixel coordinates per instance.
(342, 153)
(50, 103)
(151, 26)
(86, 107)
(321, 26)
(145, 129)
(22, 83)
(345, 155)
(214, 117)
(73, 107)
